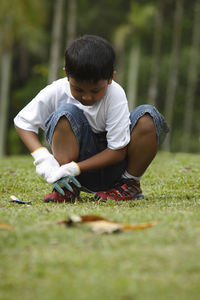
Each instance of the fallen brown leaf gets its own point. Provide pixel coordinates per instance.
(102, 225)
(5, 226)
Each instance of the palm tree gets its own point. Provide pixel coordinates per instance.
(5, 70)
(192, 80)
(71, 21)
(153, 84)
(174, 66)
(139, 18)
(133, 70)
(56, 40)
(19, 22)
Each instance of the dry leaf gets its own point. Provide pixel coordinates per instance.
(105, 227)
(139, 226)
(102, 225)
(109, 227)
(5, 226)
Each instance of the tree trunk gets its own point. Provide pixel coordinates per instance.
(54, 64)
(119, 41)
(71, 21)
(6, 61)
(153, 84)
(173, 74)
(192, 80)
(133, 76)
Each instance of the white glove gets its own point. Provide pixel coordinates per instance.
(45, 163)
(70, 169)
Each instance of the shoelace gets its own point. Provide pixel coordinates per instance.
(118, 188)
(132, 188)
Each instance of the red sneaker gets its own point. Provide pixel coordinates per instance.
(126, 189)
(55, 196)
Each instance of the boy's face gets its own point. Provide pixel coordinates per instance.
(88, 92)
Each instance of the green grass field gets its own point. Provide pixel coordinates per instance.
(42, 260)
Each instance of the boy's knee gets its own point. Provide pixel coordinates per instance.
(146, 124)
(63, 124)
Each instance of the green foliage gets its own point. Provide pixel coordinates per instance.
(24, 95)
(141, 16)
(144, 73)
(26, 27)
(14, 144)
(101, 17)
(194, 141)
(19, 21)
(41, 260)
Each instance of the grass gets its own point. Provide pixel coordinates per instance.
(41, 260)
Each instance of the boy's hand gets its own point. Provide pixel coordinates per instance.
(66, 183)
(70, 169)
(45, 163)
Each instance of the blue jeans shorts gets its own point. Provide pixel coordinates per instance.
(91, 143)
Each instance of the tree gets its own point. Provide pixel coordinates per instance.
(133, 70)
(120, 36)
(6, 61)
(57, 34)
(140, 17)
(192, 80)
(173, 73)
(153, 83)
(71, 21)
(19, 22)
(56, 40)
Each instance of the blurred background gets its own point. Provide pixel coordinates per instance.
(157, 45)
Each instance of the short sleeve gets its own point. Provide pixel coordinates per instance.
(34, 114)
(117, 118)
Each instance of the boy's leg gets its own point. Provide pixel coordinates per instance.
(142, 147)
(64, 144)
(148, 129)
(69, 134)
(65, 147)
(71, 138)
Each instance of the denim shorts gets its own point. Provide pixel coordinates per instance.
(91, 143)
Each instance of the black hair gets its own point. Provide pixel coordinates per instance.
(90, 57)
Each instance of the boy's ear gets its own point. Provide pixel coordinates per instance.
(111, 78)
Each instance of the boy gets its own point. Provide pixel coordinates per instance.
(87, 123)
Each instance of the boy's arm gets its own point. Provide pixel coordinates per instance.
(105, 158)
(45, 163)
(29, 138)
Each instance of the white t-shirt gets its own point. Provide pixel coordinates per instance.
(110, 114)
